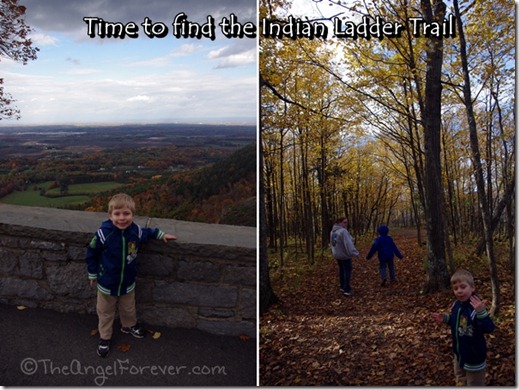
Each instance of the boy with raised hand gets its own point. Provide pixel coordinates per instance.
(469, 321)
(111, 262)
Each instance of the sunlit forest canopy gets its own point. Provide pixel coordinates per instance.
(411, 131)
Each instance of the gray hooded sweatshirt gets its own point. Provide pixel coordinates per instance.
(341, 243)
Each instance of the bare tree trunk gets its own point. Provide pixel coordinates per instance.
(476, 157)
(268, 174)
(437, 276)
(508, 178)
(267, 296)
(505, 202)
(281, 200)
(323, 191)
(307, 201)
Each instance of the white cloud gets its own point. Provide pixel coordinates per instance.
(217, 53)
(40, 40)
(236, 60)
(229, 58)
(187, 49)
(97, 98)
(139, 98)
(114, 80)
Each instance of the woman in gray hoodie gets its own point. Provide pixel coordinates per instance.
(343, 250)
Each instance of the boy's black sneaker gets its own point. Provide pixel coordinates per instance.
(103, 348)
(135, 331)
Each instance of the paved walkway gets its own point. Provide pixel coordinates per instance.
(43, 347)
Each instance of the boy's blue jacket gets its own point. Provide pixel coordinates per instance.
(384, 245)
(468, 340)
(111, 256)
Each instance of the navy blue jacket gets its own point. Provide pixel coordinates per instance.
(468, 340)
(111, 256)
(385, 246)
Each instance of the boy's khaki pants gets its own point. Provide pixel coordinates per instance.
(106, 306)
(468, 378)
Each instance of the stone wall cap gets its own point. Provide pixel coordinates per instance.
(89, 222)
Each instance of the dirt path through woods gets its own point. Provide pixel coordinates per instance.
(379, 336)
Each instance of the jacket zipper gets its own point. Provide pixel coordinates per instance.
(457, 334)
(123, 263)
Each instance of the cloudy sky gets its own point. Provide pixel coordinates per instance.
(78, 79)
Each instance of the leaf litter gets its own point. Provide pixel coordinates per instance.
(380, 336)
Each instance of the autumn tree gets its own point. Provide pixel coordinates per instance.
(482, 188)
(376, 130)
(266, 293)
(397, 58)
(437, 274)
(16, 45)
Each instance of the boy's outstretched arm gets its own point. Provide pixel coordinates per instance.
(94, 251)
(168, 237)
(397, 252)
(439, 317)
(477, 303)
(158, 234)
(372, 250)
(485, 322)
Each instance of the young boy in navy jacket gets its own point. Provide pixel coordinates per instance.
(112, 267)
(469, 321)
(387, 249)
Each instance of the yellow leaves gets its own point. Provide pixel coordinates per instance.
(21, 307)
(154, 335)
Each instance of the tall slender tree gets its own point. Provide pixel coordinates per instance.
(436, 270)
(484, 209)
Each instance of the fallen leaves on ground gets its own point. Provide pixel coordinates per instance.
(380, 336)
(244, 337)
(21, 307)
(124, 347)
(154, 335)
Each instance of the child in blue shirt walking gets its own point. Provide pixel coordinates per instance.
(387, 249)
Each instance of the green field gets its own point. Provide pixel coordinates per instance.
(77, 194)
(87, 188)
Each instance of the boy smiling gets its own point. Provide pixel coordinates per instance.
(112, 267)
(469, 321)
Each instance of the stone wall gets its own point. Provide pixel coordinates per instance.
(206, 279)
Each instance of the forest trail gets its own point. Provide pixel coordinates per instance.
(379, 336)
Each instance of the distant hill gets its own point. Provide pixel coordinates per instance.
(224, 192)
